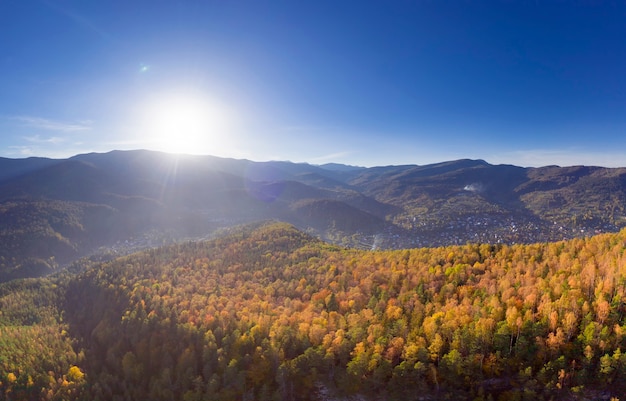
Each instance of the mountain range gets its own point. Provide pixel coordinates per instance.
(53, 211)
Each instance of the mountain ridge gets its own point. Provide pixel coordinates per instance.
(147, 194)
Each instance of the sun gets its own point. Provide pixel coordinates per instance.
(183, 123)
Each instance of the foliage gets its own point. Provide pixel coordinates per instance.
(272, 314)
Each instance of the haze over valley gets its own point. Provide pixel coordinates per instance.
(54, 211)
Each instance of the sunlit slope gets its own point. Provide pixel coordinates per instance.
(272, 313)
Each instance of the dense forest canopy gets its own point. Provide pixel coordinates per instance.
(273, 314)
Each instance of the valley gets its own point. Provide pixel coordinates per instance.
(145, 275)
(52, 212)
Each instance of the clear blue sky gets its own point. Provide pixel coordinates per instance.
(357, 82)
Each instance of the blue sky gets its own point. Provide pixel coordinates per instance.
(357, 82)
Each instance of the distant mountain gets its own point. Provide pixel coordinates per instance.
(14, 167)
(124, 200)
(341, 167)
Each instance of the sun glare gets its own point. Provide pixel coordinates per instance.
(184, 123)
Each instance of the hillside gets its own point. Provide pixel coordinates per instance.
(271, 313)
(125, 201)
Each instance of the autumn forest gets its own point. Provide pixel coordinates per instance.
(270, 313)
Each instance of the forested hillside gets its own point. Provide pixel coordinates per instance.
(273, 314)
